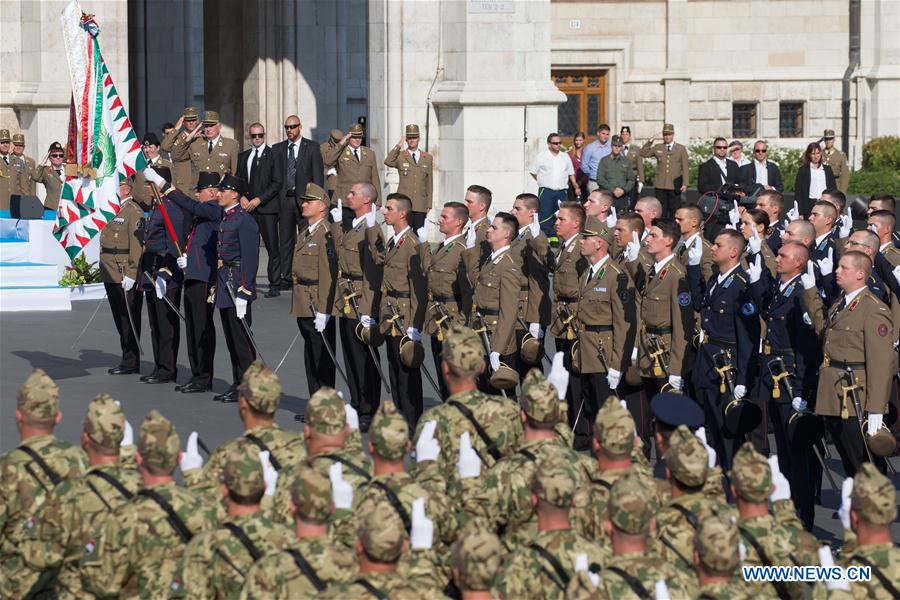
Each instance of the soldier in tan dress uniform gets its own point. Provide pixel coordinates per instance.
(177, 143)
(120, 256)
(672, 168)
(837, 160)
(25, 181)
(354, 163)
(478, 200)
(416, 170)
(214, 153)
(7, 182)
(633, 153)
(330, 172)
(52, 176)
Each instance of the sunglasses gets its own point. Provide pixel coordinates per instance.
(760, 151)
(290, 127)
(721, 147)
(56, 156)
(555, 143)
(257, 135)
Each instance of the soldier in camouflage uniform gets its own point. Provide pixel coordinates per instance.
(40, 462)
(311, 562)
(544, 568)
(633, 571)
(476, 561)
(716, 558)
(137, 550)
(259, 394)
(53, 539)
(216, 562)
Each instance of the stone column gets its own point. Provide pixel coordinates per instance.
(677, 81)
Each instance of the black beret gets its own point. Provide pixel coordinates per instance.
(672, 410)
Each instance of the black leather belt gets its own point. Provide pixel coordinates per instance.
(436, 298)
(353, 277)
(303, 281)
(492, 312)
(395, 294)
(225, 263)
(659, 330)
(114, 250)
(720, 343)
(845, 365)
(567, 299)
(769, 351)
(597, 328)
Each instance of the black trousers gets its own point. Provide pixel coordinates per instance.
(268, 229)
(200, 330)
(287, 237)
(596, 391)
(670, 200)
(574, 397)
(714, 411)
(436, 349)
(165, 330)
(848, 439)
(416, 219)
(118, 298)
(639, 406)
(240, 348)
(320, 369)
(406, 384)
(799, 465)
(365, 384)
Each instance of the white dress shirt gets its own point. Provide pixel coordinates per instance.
(659, 265)
(253, 153)
(552, 171)
(762, 174)
(498, 252)
(816, 181)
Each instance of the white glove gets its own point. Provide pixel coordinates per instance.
(612, 378)
(341, 491)
(494, 360)
(695, 253)
(711, 454)
(742, 551)
(808, 279)
(740, 391)
(676, 382)
(731, 227)
(702, 336)
(896, 273)
(613, 218)
(535, 226)
(128, 436)
(581, 566)
(559, 375)
(662, 591)
(826, 265)
(181, 261)
(782, 489)
(366, 321)
(755, 242)
(160, 285)
(754, 269)
(633, 248)
(827, 560)
(470, 237)
(640, 186)
(844, 510)
(427, 447)
(414, 334)
(468, 465)
(535, 330)
(337, 213)
(370, 217)
(190, 458)
(734, 215)
(321, 321)
(128, 282)
(846, 224)
(798, 404)
(422, 234)
(352, 417)
(874, 424)
(422, 530)
(330, 172)
(270, 475)
(240, 307)
(794, 213)
(152, 176)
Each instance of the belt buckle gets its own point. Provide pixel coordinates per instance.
(826, 361)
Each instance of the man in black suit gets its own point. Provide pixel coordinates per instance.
(298, 161)
(717, 170)
(761, 171)
(256, 166)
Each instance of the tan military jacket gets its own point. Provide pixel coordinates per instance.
(355, 261)
(567, 265)
(350, 170)
(330, 172)
(416, 179)
(402, 282)
(120, 250)
(533, 255)
(637, 161)
(222, 159)
(706, 261)
(52, 182)
(7, 182)
(497, 284)
(670, 164)
(481, 228)
(862, 335)
(144, 196)
(25, 170)
(176, 144)
(606, 300)
(447, 284)
(314, 271)
(665, 305)
(837, 160)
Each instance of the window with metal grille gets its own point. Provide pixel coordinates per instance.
(743, 119)
(585, 105)
(790, 119)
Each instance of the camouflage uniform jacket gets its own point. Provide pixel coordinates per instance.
(731, 590)
(216, 562)
(781, 545)
(55, 537)
(886, 557)
(391, 585)
(676, 532)
(590, 517)
(278, 576)
(137, 551)
(528, 574)
(648, 569)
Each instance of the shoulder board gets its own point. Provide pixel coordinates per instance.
(677, 266)
(878, 303)
(615, 267)
(507, 257)
(740, 275)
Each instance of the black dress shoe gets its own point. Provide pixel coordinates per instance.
(120, 370)
(159, 379)
(223, 396)
(229, 397)
(272, 293)
(194, 387)
(144, 378)
(287, 287)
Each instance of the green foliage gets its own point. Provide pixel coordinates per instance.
(80, 273)
(868, 182)
(882, 153)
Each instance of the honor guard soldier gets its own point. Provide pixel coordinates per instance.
(120, 258)
(772, 203)
(449, 292)
(199, 267)
(161, 280)
(717, 551)
(177, 143)
(314, 275)
(859, 361)
(416, 170)
(690, 220)
(355, 163)
(403, 302)
(672, 168)
(214, 153)
(633, 153)
(628, 248)
(837, 160)
(334, 137)
(7, 179)
(478, 200)
(52, 176)
(26, 173)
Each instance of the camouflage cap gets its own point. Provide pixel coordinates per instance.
(243, 473)
(614, 427)
(381, 533)
(630, 504)
(325, 412)
(554, 481)
(105, 422)
(874, 497)
(716, 542)
(39, 396)
(476, 556)
(158, 442)
(261, 388)
(462, 349)
(687, 458)
(751, 474)
(390, 432)
(539, 398)
(311, 494)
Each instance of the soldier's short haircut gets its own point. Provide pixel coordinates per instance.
(774, 197)
(243, 500)
(507, 221)
(759, 216)
(402, 200)
(459, 210)
(43, 423)
(805, 230)
(732, 238)
(576, 209)
(884, 217)
(605, 194)
(484, 195)
(837, 196)
(530, 201)
(828, 207)
(634, 221)
(859, 260)
(694, 212)
(795, 245)
(669, 229)
(650, 202)
(869, 239)
(368, 190)
(886, 199)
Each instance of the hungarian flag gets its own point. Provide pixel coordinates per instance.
(102, 146)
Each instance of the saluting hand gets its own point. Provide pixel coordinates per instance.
(633, 248)
(808, 279)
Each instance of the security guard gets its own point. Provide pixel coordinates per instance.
(213, 153)
(120, 256)
(7, 181)
(416, 170)
(314, 273)
(330, 172)
(52, 176)
(837, 160)
(672, 168)
(354, 163)
(25, 182)
(177, 143)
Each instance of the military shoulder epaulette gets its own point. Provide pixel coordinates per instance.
(867, 293)
(674, 264)
(615, 267)
(741, 277)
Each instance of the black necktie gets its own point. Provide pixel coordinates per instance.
(291, 167)
(59, 173)
(356, 154)
(255, 162)
(6, 159)
(209, 146)
(391, 245)
(415, 162)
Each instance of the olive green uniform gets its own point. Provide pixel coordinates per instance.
(416, 178)
(52, 182)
